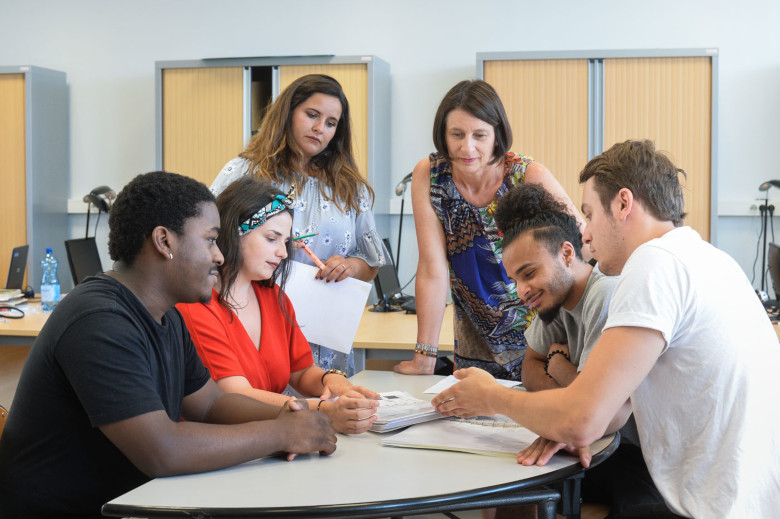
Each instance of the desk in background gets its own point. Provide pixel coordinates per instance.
(22, 332)
(361, 479)
(381, 335)
(378, 336)
(16, 338)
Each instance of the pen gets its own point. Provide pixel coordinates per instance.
(305, 236)
(314, 258)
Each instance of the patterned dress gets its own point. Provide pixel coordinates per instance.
(348, 233)
(491, 320)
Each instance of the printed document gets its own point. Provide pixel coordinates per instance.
(398, 409)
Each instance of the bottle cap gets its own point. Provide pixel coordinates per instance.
(48, 250)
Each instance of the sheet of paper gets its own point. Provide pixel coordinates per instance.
(451, 381)
(328, 313)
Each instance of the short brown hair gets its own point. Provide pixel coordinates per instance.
(481, 100)
(239, 201)
(649, 174)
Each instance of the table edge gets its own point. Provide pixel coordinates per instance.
(379, 508)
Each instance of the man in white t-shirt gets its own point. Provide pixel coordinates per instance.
(687, 347)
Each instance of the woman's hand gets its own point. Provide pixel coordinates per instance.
(338, 268)
(351, 415)
(419, 365)
(340, 386)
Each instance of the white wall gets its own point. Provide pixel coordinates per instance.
(108, 49)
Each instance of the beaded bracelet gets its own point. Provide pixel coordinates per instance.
(552, 354)
(426, 349)
(329, 371)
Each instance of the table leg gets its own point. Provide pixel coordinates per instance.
(571, 496)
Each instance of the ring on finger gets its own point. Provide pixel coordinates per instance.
(343, 267)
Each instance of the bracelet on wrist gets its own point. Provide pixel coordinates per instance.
(426, 349)
(319, 404)
(550, 355)
(329, 371)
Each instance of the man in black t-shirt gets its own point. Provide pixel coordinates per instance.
(113, 392)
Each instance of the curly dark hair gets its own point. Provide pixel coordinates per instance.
(150, 200)
(530, 207)
(239, 201)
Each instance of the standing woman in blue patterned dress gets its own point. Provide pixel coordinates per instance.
(454, 191)
(306, 139)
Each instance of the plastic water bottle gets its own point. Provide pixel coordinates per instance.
(50, 283)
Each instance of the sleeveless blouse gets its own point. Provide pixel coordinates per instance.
(491, 319)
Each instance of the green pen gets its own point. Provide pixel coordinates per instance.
(305, 236)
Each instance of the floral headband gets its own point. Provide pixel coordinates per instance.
(277, 205)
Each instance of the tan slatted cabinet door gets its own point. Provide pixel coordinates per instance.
(547, 105)
(13, 231)
(667, 100)
(354, 81)
(202, 120)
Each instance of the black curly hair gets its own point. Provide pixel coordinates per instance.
(530, 207)
(150, 200)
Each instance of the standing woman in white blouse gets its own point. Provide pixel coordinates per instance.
(305, 139)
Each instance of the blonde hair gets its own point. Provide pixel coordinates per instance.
(274, 156)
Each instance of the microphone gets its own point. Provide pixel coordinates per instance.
(763, 187)
(401, 187)
(102, 203)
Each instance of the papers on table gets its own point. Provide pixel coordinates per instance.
(12, 297)
(451, 380)
(328, 313)
(398, 409)
(463, 436)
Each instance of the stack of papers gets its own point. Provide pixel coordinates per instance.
(12, 297)
(398, 409)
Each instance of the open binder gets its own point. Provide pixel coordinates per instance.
(484, 435)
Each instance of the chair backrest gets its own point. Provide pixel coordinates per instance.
(3, 416)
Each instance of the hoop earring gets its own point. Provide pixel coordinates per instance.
(170, 255)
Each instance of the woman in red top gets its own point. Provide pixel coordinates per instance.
(247, 335)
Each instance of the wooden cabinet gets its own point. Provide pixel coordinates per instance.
(567, 107)
(207, 110)
(33, 167)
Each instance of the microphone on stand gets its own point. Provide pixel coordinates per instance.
(401, 187)
(765, 214)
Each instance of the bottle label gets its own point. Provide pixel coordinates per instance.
(50, 293)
